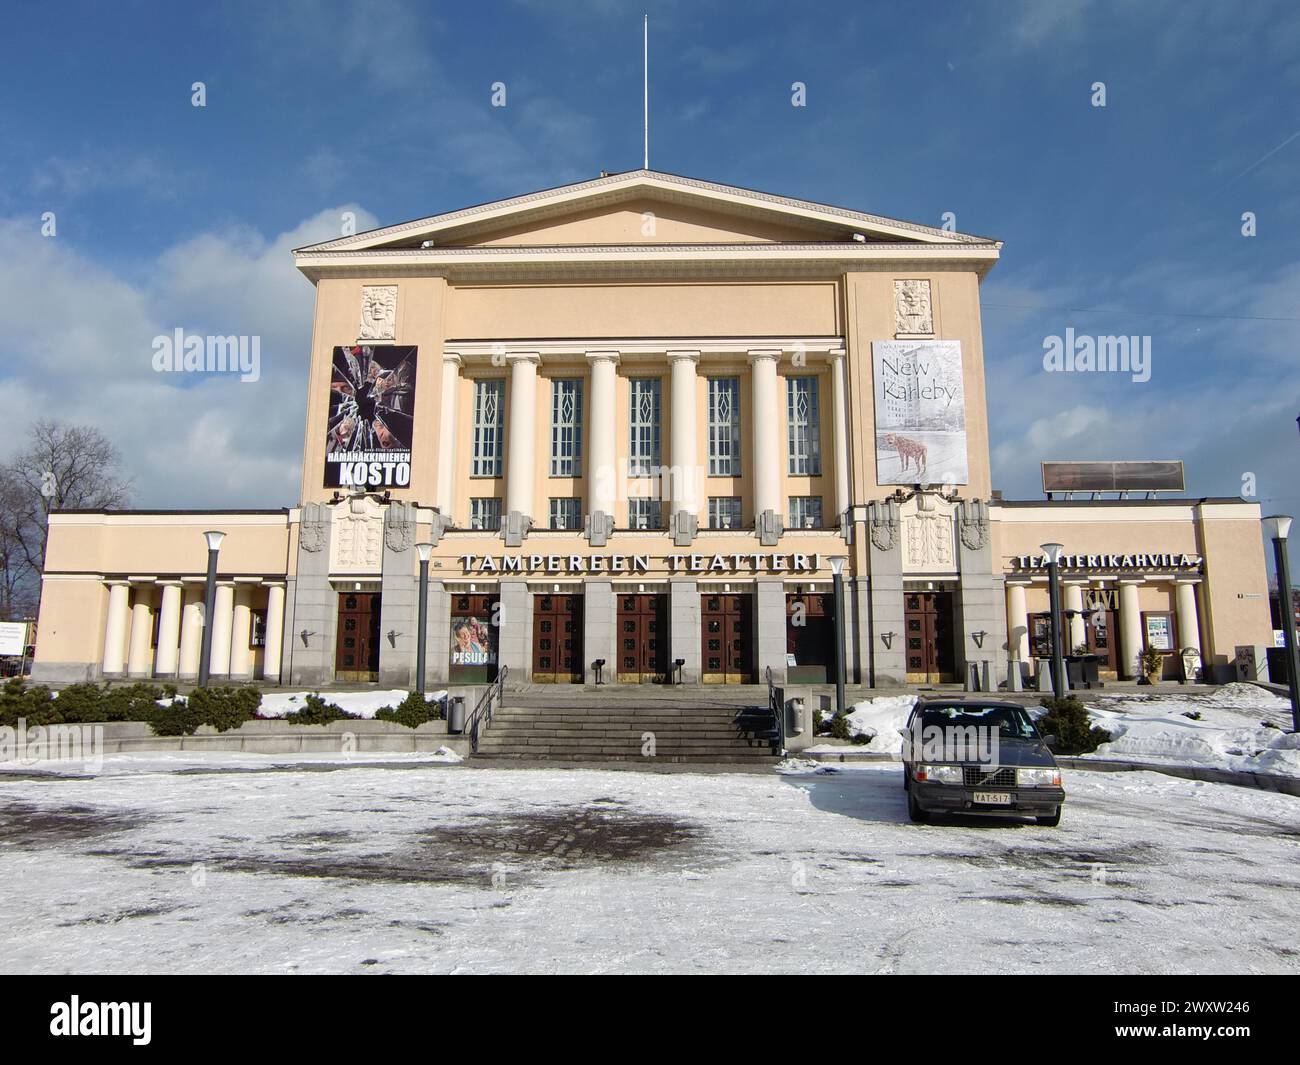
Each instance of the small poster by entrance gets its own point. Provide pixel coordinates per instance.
(372, 411)
(920, 412)
(1159, 632)
(471, 642)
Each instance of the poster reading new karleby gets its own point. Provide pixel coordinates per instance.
(920, 412)
(371, 415)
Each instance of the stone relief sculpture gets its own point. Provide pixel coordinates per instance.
(358, 539)
(378, 312)
(311, 531)
(929, 542)
(914, 313)
(884, 525)
(974, 524)
(399, 527)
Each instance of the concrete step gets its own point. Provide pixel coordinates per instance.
(594, 743)
(575, 728)
(622, 759)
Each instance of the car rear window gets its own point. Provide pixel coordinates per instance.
(1011, 721)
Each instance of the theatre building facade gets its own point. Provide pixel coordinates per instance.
(635, 424)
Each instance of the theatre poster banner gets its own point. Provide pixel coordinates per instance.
(371, 415)
(920, 412)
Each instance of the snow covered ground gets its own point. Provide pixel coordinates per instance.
(1223, 727)
(419, 867)
(1227, 732)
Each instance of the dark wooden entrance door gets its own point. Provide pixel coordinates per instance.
(810, 638)
(356, 651)
(1102, 634)
(557, 639)
(927, 617)
(474, 628)
(727, 651)
(642, 638)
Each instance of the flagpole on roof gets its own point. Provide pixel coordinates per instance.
(645, 91)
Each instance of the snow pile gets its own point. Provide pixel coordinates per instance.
(1228, 731)
(878, 719)
(361, 703)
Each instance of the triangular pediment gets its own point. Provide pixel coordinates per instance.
(643, 207)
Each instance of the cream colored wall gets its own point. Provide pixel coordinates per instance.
(1090, 530)
(72, 620)
(869, 316)
(420, 315)
(1236, 587)
(648, 309)
(626, 223)
(166, 544)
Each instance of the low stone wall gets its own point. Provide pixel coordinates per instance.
(1240, 777)
(277, 737)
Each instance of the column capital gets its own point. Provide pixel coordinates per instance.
(171, 582)
(518, 357)
(835, 355)
(603, 356)
(759, 354)
(1193, 581)
(676, 356)
(118, 582)
(1076, 582)
(452, 357)
(1132, 581)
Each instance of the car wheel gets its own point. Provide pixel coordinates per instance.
(914, 810)
(906, 776)
(1051, 820)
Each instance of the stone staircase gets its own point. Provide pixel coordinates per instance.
(585, 725)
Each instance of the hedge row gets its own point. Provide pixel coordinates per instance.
(223, 708)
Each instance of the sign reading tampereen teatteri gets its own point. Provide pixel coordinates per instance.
(615, 565)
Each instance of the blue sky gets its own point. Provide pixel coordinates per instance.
(1117, 220)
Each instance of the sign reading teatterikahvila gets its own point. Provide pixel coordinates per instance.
(372, 411)
(920, 412)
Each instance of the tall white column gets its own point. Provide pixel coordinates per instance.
(274, 648)
(169, 629)
(521, 429)
(1189, 628)
(1130, 629)
(241, 629)
(115, 629)
(139, 659)
(767, 427)
(446, 436)
(685, 456)
(222, 617)
(191, 635)
(840, 416)
(602, 479)
(1017, 622)
(1078, 633)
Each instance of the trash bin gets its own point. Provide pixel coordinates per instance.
(456, 715)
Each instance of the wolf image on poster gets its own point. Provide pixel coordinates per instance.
(372, 411)
(920, 412)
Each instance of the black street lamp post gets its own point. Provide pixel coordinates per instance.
(1053, 554)
(1278, 528)
(422, 628)
(214, 539)
(837, 571)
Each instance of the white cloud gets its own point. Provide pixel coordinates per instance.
(79, 348)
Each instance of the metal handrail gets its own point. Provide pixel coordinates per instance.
(482, 715)
(776, 707)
